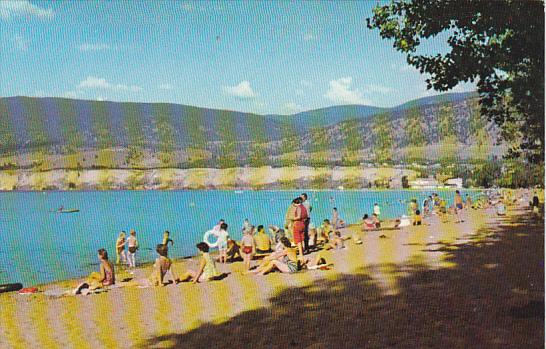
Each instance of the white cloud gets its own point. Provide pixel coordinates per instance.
(372, 88)
(309, 37)
(165, 87)
(305, 83)
(341, 92)
(21, 42)
(292, 108)
(100, 98)
(93, 47)
(242, 90)
(92, 82)
(9, 8)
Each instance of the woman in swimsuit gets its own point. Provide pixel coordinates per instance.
(106, 275)
(162, 265)
(287, 261)
(367, 223)
(248, 246)
(207, 267)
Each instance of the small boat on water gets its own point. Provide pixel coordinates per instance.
(69, 211)
(65, 211)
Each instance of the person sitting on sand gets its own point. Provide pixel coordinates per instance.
(417, 220)
(376, 221)
(263, 241)
(162, 265)
(106, 275)
(167, 239)
(207, 267)
(132, 246)
(248, 246)
(368, 223)
(500, 208)
(326, 230)
(233, 251)
(120, 248)
(287, 261)
(337, 242)
(312, 235)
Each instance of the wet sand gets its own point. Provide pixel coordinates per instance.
(479, 283)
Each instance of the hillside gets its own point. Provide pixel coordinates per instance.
(64, 133)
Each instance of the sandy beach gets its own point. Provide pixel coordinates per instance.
(479, 283)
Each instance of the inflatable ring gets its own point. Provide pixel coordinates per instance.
(206, 238)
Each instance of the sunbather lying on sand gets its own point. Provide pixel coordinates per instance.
(286, 261)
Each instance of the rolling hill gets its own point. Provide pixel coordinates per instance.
(67, 133)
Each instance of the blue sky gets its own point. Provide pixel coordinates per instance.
(274, 57)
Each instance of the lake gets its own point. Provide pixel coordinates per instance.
(39, 246)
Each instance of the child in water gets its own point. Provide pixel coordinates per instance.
(167, 239)
(120, 248)
(248, 246)
(207, 267)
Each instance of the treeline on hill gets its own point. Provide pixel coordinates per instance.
(446, 130)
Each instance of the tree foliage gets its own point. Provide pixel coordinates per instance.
(497, 44)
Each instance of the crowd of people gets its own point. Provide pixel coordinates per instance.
(284, 249)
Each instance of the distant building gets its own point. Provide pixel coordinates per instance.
(424, 183)
(454, 182)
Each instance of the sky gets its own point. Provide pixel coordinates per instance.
(260, 57)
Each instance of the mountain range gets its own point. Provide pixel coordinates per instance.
(62, 133)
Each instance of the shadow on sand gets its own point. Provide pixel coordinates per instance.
(493, 297)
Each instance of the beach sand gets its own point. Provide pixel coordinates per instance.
(476, 284)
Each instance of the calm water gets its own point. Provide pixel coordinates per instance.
(38, 246)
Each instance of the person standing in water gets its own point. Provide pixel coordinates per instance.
(335, 218)
(120, 248)
(167, 239)
(132, 246)
(307, 205)
(377, 210)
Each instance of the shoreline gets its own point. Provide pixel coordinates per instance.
(404, 272)
(237, 178)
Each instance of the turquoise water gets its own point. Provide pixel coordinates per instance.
(38, 246)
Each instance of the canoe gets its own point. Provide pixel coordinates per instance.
(68, 211)
(10, 287)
